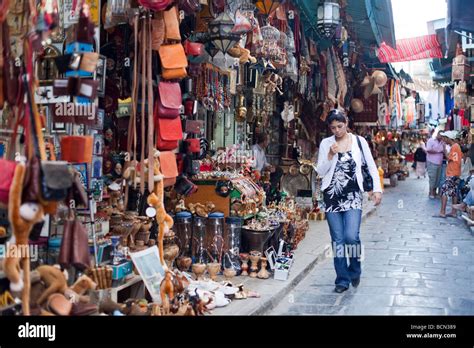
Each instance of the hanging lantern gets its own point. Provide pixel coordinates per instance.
(211, 49)
(328, 18)
(220, 31)
(266, 7)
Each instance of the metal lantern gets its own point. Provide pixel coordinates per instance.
(328, 18)
(267, 6)
(220, 32)
(211, 49)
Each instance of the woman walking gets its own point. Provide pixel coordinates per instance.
(340, 162)
(420, 161)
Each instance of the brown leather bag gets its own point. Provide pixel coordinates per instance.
(74, 245)
(158, 31)
(173, 61)
(171, 20)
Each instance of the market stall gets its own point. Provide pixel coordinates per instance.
(127, 134)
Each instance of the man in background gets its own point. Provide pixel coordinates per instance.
(434, 161)
(260, 159)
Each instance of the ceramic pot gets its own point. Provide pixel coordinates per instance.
(254, 258)
(184, 262)
(170, 249)
(229, 273)
(199, 269)
(245, 264)
(213, 269)
(263, 273)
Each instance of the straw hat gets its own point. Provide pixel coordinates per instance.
(357, 105)
(371, 89)
(380, 78)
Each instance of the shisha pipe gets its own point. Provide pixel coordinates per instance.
(214, 244)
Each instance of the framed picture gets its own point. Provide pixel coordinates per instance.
(97, 189)
(150, 269)
(57, 127)
(101, 73)
(96, 167)
(98, 144)
(99, 124)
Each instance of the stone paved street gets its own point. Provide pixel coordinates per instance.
(414, 264)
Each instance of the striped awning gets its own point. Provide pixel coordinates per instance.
(422, 47)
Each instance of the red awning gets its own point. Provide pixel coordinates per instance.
(422, 47)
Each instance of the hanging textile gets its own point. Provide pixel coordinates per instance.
(332, 87)
(416, 48)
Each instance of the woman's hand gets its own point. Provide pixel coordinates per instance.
(377, 198)
(332, 151)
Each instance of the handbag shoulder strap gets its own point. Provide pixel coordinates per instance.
(361, 150)
(151, 144)
(143, 93)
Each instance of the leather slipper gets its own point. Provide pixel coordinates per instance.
(59, 304)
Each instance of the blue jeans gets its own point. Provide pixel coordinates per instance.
(344, 228)
(469, 200)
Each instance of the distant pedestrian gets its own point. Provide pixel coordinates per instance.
(453, 172)
(420, 161)
(434, 161)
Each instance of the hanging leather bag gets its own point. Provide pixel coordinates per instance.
(168, 102)
(173, 61)
(171, 20)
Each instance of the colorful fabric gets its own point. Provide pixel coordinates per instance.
(416, 48)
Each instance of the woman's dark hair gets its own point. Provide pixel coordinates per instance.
(336, 115)
(464, 149)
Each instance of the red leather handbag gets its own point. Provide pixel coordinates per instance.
(156, 5)
(193, 48)
(7, 171)
(169, 100)
(193, 145)
(168, 132)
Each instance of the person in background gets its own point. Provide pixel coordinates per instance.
(260, 159)
(468, 201)
(466, 170)
(420, 160)
(434, 162)
(340, 166)
(453, 172)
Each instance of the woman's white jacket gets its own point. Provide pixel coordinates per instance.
(325, 168)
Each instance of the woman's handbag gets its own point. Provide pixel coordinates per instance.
(368, 180)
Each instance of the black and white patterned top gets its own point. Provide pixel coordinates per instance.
(343, 193)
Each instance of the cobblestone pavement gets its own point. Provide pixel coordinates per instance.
(414, 264)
